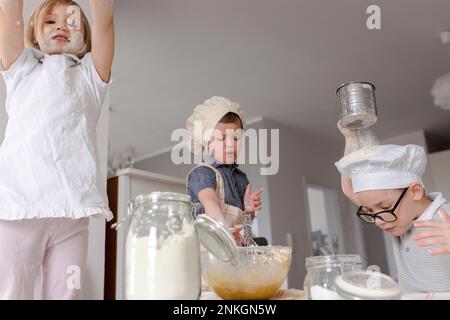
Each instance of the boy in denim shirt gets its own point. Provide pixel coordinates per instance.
(217, 183)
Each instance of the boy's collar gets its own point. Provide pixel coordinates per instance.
(215, 163)
(438, 200)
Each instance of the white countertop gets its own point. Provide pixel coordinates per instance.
(295, 294)
(283, 294)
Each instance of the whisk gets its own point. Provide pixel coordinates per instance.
(333, 248)
(248, 236)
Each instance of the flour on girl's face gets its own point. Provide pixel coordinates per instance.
(61, 31)
(57, 43)
(76, 44)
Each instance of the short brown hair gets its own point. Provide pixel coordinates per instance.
(231, 117)
(42, 11)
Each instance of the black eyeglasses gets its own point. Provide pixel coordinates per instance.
(386, 216)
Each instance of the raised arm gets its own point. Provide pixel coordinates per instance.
(11, 31)
(102, 36)
(210, 202)
(346, 182)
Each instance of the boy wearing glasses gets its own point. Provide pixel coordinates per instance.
(385, 182)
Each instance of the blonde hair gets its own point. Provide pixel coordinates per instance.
(42, 11)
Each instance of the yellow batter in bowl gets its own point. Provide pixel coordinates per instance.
(258, 272)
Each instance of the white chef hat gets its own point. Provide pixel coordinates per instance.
(207, 115)
(384, 167)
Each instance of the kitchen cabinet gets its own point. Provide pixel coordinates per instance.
(123, 186)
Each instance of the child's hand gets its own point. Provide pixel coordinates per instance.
(438, 234)
(347, 133)
(252, 201)
(235, 231)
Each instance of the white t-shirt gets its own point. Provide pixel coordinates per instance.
(49, 163)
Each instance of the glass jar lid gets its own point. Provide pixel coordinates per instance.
(159, 196)
(367, 285)
(332, 260)
(216, 238)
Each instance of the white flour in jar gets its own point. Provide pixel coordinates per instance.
(321, 293)
(169, 271)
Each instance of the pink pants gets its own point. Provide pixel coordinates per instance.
(58, 245)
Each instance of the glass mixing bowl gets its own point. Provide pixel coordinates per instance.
(257, 273)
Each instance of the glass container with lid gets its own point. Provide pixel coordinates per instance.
(163, 250)
(367, 285)
(322, 271)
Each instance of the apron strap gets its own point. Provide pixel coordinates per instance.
(219, 180)
(233, 215)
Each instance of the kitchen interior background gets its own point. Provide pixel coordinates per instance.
(282, 60)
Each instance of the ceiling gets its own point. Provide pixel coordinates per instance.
(280, 59)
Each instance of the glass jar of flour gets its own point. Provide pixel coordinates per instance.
(162, 249)
(322, 271)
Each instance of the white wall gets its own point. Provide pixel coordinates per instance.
(440, 171)
(316, 203)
